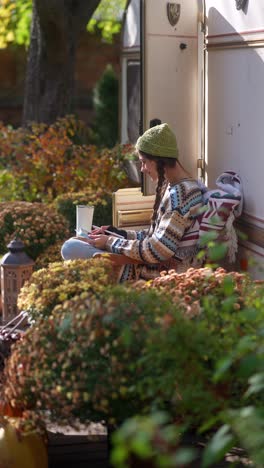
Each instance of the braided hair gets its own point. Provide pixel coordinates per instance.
(161, 162)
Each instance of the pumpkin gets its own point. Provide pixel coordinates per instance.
(19, 450)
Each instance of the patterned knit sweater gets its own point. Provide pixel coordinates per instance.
(174, 235)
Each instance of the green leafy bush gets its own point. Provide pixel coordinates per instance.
(215, 301)
(150, 441)
(243, 423)
(189, 351)
(102, 201)
(36, 224)
(231, 367)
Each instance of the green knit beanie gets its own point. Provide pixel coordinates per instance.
(158, 141)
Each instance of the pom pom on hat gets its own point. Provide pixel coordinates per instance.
(158, 141)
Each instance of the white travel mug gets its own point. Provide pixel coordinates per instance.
(84, 218)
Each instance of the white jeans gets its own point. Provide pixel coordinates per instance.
(73, 249)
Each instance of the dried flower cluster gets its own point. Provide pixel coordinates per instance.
(36, 224)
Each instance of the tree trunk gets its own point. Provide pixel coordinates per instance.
(49, 88)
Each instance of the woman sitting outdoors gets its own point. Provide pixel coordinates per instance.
(172, 234)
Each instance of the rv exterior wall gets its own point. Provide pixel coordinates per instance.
(235, 106)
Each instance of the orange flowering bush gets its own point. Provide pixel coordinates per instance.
(192, 288)
(43, 162)
(36, 224)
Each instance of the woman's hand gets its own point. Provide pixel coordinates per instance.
(99, 230)
(98, 240)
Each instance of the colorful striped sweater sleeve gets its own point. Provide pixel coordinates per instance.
(177, 210)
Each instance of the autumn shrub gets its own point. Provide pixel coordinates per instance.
(14, 141)
(77, 130)
(41, 162)
(81, 361)
(36, 224)
(216, 302)
(190, 352)
(100, 199)
(113, 352)
(126, 152)
(193, 288)
(51, 254)
(104, 352)
(158, 440)
(60, 281)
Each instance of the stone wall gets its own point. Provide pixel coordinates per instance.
(92, 57)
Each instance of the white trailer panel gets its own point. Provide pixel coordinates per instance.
(170, 61)
(235, 107)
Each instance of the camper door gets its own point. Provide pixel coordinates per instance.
(172, 57)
